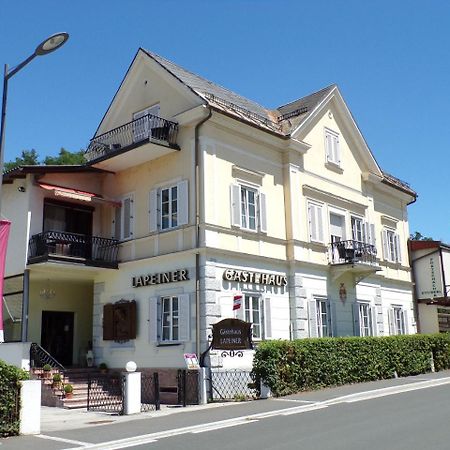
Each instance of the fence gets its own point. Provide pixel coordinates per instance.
(150, 398)
(234, 384)
(105, 393)
(9, 408)
(188, 387)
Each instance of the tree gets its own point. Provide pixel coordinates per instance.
(27, 158)
(65, 157)
(416, 236)
(31, 158)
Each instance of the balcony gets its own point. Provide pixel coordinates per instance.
(353, 256)
(151, 129)
(73, 248)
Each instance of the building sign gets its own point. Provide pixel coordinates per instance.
(428, 278)
(244, 276)
(191, 361)
(232, 334)
(160, 278)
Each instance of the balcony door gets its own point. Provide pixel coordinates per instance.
(142, 125)
(57, 335)
(71, 218)
(337, 228)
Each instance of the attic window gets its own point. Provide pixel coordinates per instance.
(332, 148)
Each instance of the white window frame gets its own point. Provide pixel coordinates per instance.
(323, 317)
(341, 215)
(240, 215)
(250, 314)
(181, 206)
(315, 221)
(332, 147)
(359, 229)
(391, 245)
(170, 318)
(398, 320)
(365, 319)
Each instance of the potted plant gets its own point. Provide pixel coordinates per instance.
(68, 390)
(57, 379)
(46, 370)
(103, 367)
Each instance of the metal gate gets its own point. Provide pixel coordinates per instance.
(105, 393)
(150, 399)
(188, 387)
(235, 384)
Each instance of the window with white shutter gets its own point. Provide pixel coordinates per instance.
(364, 316)
(169, 207)
(248, 208)
(332, 147)
(315, 222)
(397, 320)
(391, 245)
(123, 219)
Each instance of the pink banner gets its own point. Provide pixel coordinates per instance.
(4, 234)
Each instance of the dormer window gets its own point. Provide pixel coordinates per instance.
(332, 148)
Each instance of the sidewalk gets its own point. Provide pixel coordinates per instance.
(59, 419)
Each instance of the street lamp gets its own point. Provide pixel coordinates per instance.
(47, 46)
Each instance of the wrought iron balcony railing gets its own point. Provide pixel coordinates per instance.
(352, 252)
(148, 128)
(90, 250)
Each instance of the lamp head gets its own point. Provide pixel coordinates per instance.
(51, 44)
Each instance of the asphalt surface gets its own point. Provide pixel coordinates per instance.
(393, 414)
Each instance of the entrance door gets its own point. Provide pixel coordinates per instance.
(57, 335)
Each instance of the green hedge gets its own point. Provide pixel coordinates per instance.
(9, 404)
(292, 366)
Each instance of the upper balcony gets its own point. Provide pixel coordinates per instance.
(150, 135)
(74, 248)
(354, 257)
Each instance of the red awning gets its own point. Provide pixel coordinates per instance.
(61, 191)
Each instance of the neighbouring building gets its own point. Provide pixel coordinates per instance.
(430, 262)
(192, 196)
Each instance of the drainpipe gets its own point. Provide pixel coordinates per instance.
(198, 185)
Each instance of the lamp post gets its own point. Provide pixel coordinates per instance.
(47, 46)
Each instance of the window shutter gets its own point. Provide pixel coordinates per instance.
(108, 322)
(184, 317)
(267, 318)
(153, 211)
(384, 240)
(154, 319)
(405, 321)
(391, 318)
(116, 222)
(366, 232)
(337, 152)
(315, 222)
(127, 217)
(332, 318)
(312, 318)
(373, 315)
(398, 249)
(132, 319)
(235, 194)
(356, 324)
(328, 147)
(372, 236)
(262, 213)
(183, 202)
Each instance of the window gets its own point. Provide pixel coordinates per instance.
(397, 320)
(332, 149)
(169, 319)
(336, 227)
(358, 229)
(365, 319)
(248, 208)
(315, 222)
(319, 313)
(391, 246)
(168, 207)
(123, 219)
(144, 121)
(253, 314)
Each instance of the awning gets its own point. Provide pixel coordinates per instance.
(75, 194)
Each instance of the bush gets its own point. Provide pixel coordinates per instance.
(57, 378)
(10, 400)
(68, 388)
(47, 368)
(292, 366)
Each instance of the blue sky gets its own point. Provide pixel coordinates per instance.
(391, 60)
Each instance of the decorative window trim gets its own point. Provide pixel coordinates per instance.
(155, 206)
(237, 207)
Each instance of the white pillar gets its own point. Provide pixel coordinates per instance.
(132, 393)
(265, 391)
(30, 407)
(202, 386)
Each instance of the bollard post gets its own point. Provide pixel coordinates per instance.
(30, 407)
(132, 393)
(432, 363)
(265, 391)
(202, 388)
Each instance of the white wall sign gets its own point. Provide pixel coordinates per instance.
(160, 278)
(245, 276)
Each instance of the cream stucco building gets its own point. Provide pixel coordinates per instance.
(191, 196)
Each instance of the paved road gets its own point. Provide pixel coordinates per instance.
(394, 414)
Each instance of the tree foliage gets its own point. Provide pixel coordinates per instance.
(31, 158)
(416, 236)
